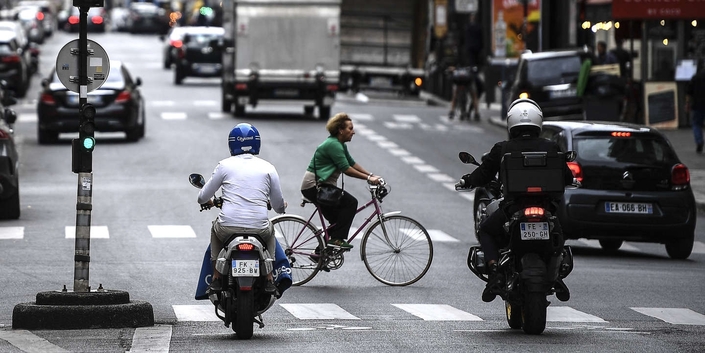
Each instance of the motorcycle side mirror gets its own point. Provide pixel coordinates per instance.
(467, 158)
(197, 180)
(570, 156)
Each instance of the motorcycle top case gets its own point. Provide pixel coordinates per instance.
(281, 273)
(533, 174)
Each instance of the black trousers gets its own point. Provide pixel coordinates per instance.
(342, 216)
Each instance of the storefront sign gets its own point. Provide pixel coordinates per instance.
(661, 108)
(657, 9)
(440, 16)
(507, 24)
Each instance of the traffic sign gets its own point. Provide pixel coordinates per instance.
(98, 66)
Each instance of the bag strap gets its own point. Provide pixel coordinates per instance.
(342, 175)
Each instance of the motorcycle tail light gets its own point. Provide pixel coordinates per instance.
(680, 176)
(245, 247)
(577, 170)
(534, 212)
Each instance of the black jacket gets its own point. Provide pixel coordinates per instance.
(491, 166)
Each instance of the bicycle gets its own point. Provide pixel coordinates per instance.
(465, 93)
(397, 250)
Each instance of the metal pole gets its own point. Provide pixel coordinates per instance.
(85, 180)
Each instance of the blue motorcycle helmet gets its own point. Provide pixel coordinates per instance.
(244, 138)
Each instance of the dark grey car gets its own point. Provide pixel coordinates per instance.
(9, 159)
(634, 186)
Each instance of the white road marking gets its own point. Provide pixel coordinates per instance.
(437, 312)
(441, 178)
(676, 316)
(318, 311)
(208, 103)
(399, 152)
(195, 312)
(96, 232)
(568, 314)
(375, 137)
(11, 232)
(412, 160)
(151, 339)
(361, 117)
(425, 168)
(441, 236)
(216, 115)
(27, 118)
(29, 342)
(698, 247)
(402, 126)
(387, 144)
(406, 118)
(174, 116)
(163, 103)
(172, 231)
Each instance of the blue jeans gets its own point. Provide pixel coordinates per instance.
(698, 117)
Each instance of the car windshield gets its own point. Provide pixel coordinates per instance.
(640, 150)
(553, 71)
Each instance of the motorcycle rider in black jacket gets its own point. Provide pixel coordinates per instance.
(524, 122)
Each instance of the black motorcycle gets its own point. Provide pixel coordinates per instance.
(532, 256)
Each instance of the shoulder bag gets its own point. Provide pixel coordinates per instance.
(327, 194)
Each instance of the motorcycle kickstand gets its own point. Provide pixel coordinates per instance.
(259, 321)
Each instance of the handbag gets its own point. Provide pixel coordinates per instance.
(327, 194)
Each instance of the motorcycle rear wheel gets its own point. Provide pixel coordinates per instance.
(513, 315)
(245, 306)
(533, 313)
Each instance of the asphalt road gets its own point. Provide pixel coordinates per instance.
(148, 238)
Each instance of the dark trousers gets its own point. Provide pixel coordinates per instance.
(342, 216)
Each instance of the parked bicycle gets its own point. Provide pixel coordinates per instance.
(396, 249)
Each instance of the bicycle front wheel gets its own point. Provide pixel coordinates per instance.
(397, 251)
(302, 245)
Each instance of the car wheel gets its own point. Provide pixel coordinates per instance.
(610, 245)
(10, 208)
(45, 137)
(681, 249)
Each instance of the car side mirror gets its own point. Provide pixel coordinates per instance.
(138, 81)
(197, 180)
(10, 116)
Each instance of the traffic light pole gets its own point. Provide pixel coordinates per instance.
(85, 174)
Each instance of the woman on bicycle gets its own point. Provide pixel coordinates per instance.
(330, 159)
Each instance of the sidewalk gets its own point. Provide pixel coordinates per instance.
(681, 140)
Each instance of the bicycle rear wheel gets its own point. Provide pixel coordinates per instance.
(300, 241)
(397, 251)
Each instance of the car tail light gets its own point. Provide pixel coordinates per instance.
(73, 20)
(577, 170)
(123, 97)
(97, 20)
(332, 88)
(47, 98)
(241, 86)
(12, 59)
(40, 16)
(245, 247)
(177, 43)
(680, 176)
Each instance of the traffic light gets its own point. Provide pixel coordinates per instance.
(82, 147)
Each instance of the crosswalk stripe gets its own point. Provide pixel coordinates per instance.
(412, 160)
(29, 342)
(437, 312)
(11, 232)
(207, 103)
(151, 339)
(395, 125)
(425, 168)
(27, 118)
(440, 177)
(174, 116)
(387, 144)
(399, 152)
(698, 247)
(318, 311)
(172, 231)
(216, 115)
(96, 232)
(195, 312)
(402, 118)
(441, 236)
(568, 314)
(163, 103)
(676, 316)
(363, 117)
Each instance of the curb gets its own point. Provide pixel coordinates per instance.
(59, 310)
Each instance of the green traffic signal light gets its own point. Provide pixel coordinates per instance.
(206, 11)
(88, 143)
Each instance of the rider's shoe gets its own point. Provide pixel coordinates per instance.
(339, 243)
(317, 256)
(477, 116)
(562, 291)
(270, 287)
(216, 285)
(494, 284)
(451, 115)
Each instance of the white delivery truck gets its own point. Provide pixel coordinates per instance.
(278, 50)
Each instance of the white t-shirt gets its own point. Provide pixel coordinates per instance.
(247, 182)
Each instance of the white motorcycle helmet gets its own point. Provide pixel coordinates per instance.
(524, 116)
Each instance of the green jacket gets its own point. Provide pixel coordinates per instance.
(330, 156)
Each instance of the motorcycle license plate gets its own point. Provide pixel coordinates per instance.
(534, 230)
(629, 207)
(245, 268)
